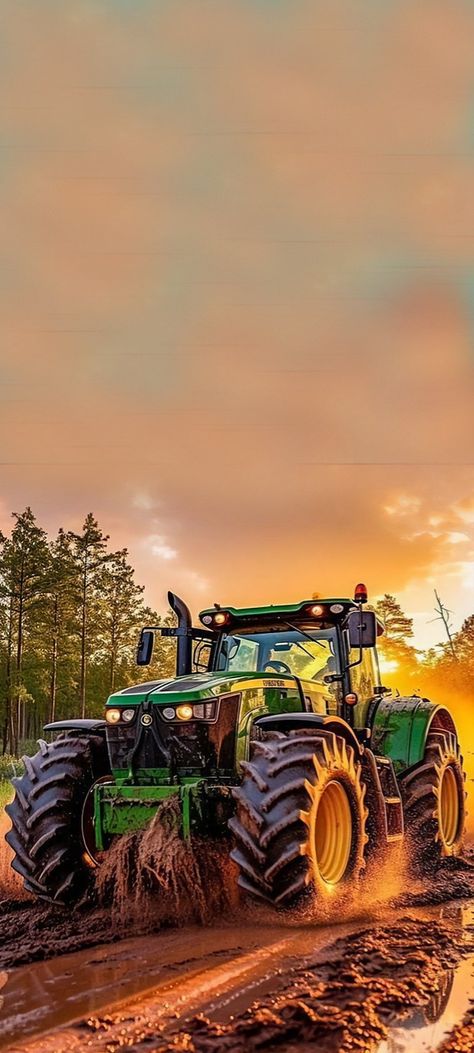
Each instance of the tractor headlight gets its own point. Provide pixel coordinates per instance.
(184, 712)
(128, 715)
(112, 716)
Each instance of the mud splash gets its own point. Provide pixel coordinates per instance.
(156, 877)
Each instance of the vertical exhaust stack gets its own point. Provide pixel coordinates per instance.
(184, 650)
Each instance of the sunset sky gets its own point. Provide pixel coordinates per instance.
(237, 285)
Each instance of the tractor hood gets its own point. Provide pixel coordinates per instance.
(195, 688)
(207, 739)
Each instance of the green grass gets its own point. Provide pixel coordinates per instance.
(6, 791)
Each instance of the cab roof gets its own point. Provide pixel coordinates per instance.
(321, 611)
(281, 608)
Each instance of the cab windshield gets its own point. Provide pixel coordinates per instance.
(284, 652)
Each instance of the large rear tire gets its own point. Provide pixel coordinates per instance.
(300, 822)
(433, 796)
(46, 815)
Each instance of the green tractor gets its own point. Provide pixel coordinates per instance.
(276, 737)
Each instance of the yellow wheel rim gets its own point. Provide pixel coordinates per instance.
(333, 833)
(448, 806)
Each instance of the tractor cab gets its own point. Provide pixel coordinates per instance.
(327, 645)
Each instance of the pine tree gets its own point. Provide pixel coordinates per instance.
(59, 622)
(121, 613)
(23, 566)
(398, 630)
(397, 625)
(464, 643)
(89, 551)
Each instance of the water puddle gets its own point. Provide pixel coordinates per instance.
(186, 968)
(425, 1028)
(45, 995)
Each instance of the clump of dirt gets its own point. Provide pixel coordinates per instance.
(373, 979)
(155, 877)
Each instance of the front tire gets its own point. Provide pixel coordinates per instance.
(434, 802)
(46, 815)
(300, 822)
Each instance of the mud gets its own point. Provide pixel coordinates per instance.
(154, 877)
(461, 1039)
(373, 980)
(249, 978)
(152, 880)
(386, 988)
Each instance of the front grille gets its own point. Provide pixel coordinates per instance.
(194, 747)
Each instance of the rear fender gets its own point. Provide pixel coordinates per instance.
(295, 721)
(83, 727)
(400, 727)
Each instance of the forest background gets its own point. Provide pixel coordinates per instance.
(71, 611)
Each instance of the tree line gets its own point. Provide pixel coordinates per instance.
(70, 613)
(448, 665)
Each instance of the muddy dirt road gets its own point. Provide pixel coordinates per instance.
(397, 982)
(394, 975)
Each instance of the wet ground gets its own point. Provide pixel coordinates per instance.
(399, 986)
(395, 975)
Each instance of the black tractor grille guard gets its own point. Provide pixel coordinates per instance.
(191, 747)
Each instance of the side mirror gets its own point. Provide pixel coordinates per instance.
(362, 628)
(145, 647)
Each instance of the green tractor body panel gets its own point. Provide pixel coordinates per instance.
(121, 809)
(260, 694)
(400, 728)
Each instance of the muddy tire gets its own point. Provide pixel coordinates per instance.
(433, 796)
(300, 821)
(46, 816)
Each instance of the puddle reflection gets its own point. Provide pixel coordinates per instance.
(425, 1027)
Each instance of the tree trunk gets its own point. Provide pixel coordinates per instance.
(54, 663)
(19, 654)
(8, 725)
(82, 681)
(113, 649)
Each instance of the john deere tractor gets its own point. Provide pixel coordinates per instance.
(276, 736)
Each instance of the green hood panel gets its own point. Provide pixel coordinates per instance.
(196, 688)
